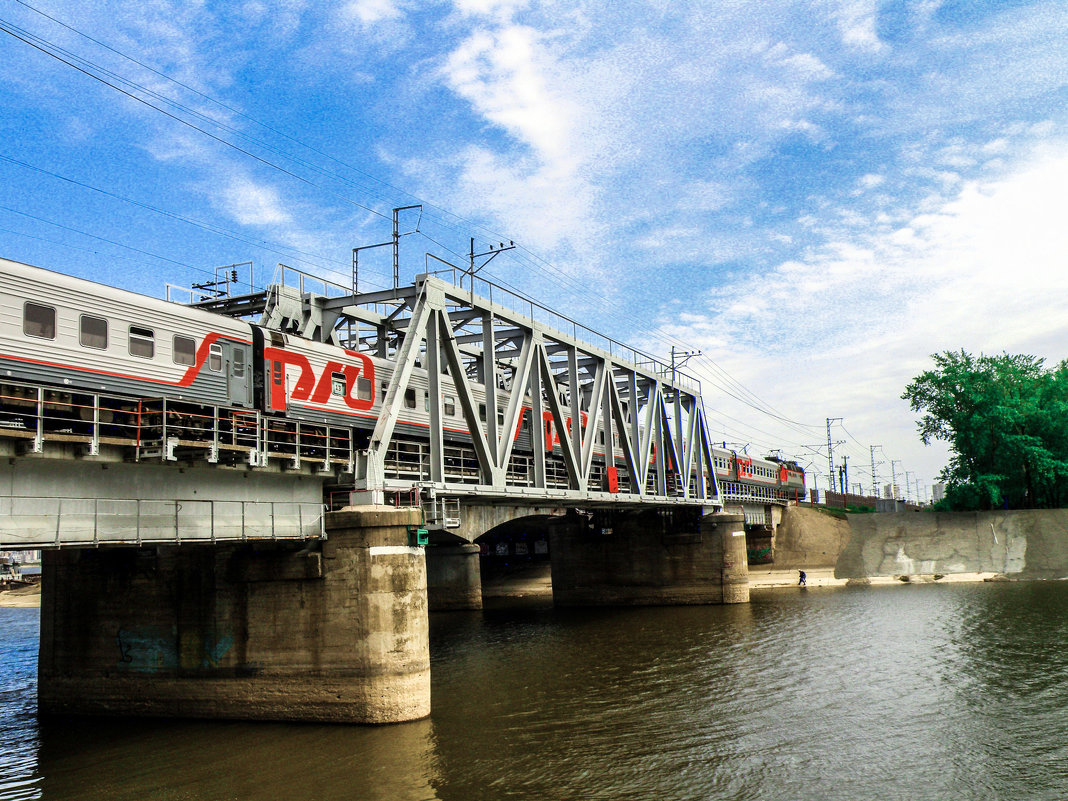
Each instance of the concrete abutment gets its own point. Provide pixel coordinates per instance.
(335, 631)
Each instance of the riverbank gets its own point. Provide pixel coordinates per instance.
(27, 595)
(767, 577)
(536, 582)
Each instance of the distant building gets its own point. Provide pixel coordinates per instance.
(891, 492)
(21, 557)
(938, 492)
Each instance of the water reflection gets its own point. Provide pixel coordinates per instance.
(924, 692)
(120, 760)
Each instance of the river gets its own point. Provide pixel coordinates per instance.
(913, 692)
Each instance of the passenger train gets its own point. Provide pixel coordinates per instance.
(66, 332)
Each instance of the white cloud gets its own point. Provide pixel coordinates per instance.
(856, 23)
(503, 9)
(368, 12)
(251, 203)
(871, 180)
(841, 332)
(506, 76)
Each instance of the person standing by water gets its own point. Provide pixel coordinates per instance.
(802, 579)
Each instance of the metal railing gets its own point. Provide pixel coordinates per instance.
(39, 522)
(539, 313)
(165, 430)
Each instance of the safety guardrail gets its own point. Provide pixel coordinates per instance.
(39, 522)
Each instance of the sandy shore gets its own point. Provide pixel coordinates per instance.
(21, 596)
(537, 581)
(766, 576)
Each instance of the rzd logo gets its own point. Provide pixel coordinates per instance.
(317, 390)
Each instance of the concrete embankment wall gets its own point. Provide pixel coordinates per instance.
(808, 538)
(1023, 544)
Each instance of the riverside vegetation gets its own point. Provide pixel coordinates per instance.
(1005, 419)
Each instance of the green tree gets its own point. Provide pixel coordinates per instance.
(1005, 420)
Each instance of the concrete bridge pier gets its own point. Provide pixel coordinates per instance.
(658, 558)
(319, 631)
(454, 579)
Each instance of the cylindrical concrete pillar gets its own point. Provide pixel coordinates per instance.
(453, 577)
(389, 633)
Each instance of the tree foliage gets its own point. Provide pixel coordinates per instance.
(1005, 420)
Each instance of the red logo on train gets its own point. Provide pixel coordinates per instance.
(315, 389)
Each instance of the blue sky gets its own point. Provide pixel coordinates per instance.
(816, 195)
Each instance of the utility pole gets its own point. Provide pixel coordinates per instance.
(394, 241)
(397, 236)
(492, 253)
(843, 475)
(683, 357)
(830, 452)
(908, 485)
(893, 478)
(874, 484)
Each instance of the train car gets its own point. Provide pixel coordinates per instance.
(743, 477)
(68, 332)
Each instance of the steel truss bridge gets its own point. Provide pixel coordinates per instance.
(523, 356)
(483, 346)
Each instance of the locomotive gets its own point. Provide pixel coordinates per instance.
(72, 334)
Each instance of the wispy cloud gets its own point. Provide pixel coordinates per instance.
(982, 271)
(251, 203)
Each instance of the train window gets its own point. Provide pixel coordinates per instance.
(450, 405)
(92, 332)
(482, 412)
(239, 362)
(337, 384)
(184, 350)
(215, 357)
(142, 342)
(39, 321)
(385, 389)
(364, 390)
(409, 399)
(426, 401)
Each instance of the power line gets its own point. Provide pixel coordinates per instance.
(718, 376)
(210, 227)
(28, 38)
(104, 239)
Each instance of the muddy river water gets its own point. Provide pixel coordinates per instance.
(912, 692)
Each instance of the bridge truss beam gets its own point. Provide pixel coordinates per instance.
(581, 400)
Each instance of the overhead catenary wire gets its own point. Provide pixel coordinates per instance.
(43, 47)
(289, 252)
(754, 401)
(718, 376)
(105, 239)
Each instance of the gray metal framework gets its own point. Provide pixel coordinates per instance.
(499, 351)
